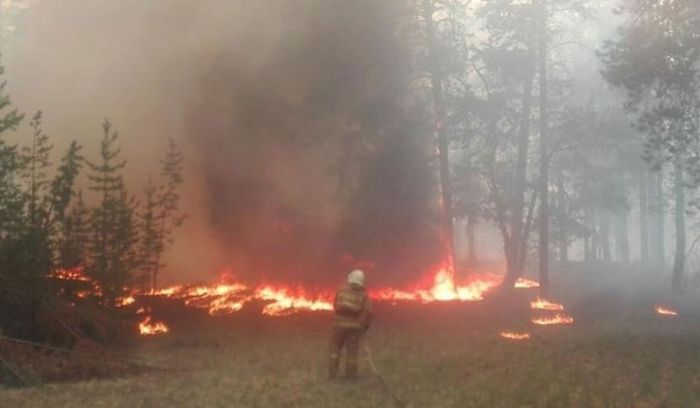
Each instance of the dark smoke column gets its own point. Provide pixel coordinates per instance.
(311, 150)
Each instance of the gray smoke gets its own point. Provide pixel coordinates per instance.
(301, 159)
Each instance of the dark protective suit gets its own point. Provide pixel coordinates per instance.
(353, 312)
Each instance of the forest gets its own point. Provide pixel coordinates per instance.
(185, 185)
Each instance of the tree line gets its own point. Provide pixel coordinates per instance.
(77, 214)
(524, 149)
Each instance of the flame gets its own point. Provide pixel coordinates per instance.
(125, 301)
(147, 327)
(543, 304)
(284, 302)
(665, 311)
(443, 287)
(167, 291)
(515, 336)
(556, 319)
(229, 296)
(75, 274)
(226, 298)
(546, 305)
(524, 283)
(86, 286)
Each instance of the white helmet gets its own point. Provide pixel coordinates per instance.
(357, 277)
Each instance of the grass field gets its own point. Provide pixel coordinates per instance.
(618, 353)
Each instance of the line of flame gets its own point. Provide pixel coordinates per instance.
(665, 311)
(147, 327)
(556, 319)
(515, 336)
(543, 304)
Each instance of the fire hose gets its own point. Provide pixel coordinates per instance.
(13, 370)
(385, 385)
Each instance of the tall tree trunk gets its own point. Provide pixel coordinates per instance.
(439, 110)
(589, 233)
(517, 237)
(544, 158)
(679, 258)
(595, 237)
(661, 228)
(643, 219)
(653, 222)
(471, 239)
(605, 236)
(622, 248)
(563, 222)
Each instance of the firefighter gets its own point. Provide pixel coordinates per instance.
(353, 312)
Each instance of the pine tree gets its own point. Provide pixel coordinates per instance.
(14, 255)
(150, 244)
(34, 241)
(111, 223)
(160, 216)
(75, 235)
(655, 60)
(11, 197)
(36, 172)
(122, 242)
(62, 186)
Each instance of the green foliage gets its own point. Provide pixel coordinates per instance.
(110, 259)
(62, 186)
(45, 224)
(74, 236)
(36, 167)
(159, 216)
(656, 62)
(11, 164)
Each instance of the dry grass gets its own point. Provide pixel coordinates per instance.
(442, 356)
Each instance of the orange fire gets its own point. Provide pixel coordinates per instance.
(556, 319)
(230, 295)
(442, 286)
(75, 274)
(549, 306)
(226, 297)
(524, 283)
(543, 304)
(85, 286)
(125, 301)
(284, 302)
(147, 327)
(665, 311)
(515, 336)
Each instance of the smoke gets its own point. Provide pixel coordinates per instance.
(301, 158)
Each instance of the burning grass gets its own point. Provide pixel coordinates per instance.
(552, 320)
(515, 336)
(543, 304)
(148, 327)
(665, 311)
(230, 296)
(450, 360)
(434, 354)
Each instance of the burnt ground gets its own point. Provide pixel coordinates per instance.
(618, 353)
